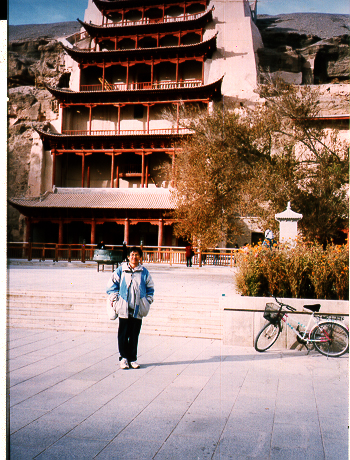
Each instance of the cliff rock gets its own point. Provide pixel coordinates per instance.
(305, 48)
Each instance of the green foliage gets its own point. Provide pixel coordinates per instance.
(305, 271)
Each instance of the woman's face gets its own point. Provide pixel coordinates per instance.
(134, 259)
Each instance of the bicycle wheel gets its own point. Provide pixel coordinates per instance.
(331, 339)
(267, 336)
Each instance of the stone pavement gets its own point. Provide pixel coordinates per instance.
(191, 399)
(205, 281)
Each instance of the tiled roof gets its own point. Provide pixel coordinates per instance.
(168, 25)
(140, 198)
(164, 53)
(288, 214)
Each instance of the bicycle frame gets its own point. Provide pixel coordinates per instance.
(305, 335)
(293, 324)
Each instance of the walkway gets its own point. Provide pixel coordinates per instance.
(192, 398)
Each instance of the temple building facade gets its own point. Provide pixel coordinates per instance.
(100, 173)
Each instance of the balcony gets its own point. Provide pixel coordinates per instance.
(126, 132)
(106, 86)
(165, 19)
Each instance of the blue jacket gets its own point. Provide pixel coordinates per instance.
(118, 287)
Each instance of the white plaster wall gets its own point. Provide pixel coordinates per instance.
(92, 14)
(288, 231)
(237, 44)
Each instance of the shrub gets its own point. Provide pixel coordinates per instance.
(305, 271)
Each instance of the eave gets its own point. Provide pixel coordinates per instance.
(87, 57)
(205, 92)
(137, 29)
(57, 141)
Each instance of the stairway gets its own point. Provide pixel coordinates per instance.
(81, 311)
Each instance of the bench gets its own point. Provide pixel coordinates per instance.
(107, 257)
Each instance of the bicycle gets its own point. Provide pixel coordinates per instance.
(328, 334)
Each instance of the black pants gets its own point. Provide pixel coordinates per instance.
(128, 337)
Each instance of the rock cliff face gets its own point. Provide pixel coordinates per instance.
(301, 48)
(31, 63)
(305, 48)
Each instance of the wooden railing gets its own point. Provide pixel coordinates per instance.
(142, 85)
(115, 132)
(85, 252)
(166, 19)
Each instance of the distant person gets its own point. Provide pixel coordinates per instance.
(130, 291)
(216, 257)
(125, 251)
(101, 245)
(269, 238)
(189, 255)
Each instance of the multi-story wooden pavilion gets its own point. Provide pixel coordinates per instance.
(103, 169)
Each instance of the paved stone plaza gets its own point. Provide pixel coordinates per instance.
(192, 398)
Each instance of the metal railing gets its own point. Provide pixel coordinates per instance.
(85, 252)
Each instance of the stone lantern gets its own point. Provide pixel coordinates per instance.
(288, 221)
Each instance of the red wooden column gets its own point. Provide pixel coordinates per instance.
(172, 169)
(53, 167)
(146, 173)
(117, 176)
(103, 75)
(28, 228)
(90, 118)
(112, 170)
(160, 233)
(177, 70)
(60, 231)
(82, 169)
(148, 106)
(143, 170)
(118, 118)
(177, 116)
(63, 117)
(83, 154)
(126, 231)
(152, 66)
(93, 231)
(127, 74)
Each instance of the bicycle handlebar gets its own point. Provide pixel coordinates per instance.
(285, 305)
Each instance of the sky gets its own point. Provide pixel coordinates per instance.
(50, 11)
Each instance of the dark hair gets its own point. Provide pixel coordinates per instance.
(135, 249)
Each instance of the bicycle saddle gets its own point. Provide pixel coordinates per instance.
(315, 308)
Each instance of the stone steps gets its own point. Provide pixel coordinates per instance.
(81, 311)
